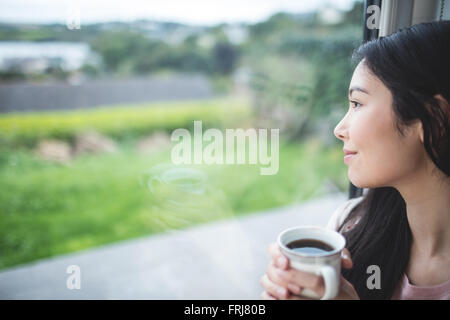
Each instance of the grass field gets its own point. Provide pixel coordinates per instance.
(120, 121)
(48, 209)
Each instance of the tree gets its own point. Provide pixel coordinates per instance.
(224, 58)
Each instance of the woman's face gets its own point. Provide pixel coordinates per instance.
(383, 157)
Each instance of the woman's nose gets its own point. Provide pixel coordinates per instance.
(340, 131)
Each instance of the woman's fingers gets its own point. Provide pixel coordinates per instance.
(273, 275)
(303, 280)
(346, 260)
(279, 259)
(273, 289)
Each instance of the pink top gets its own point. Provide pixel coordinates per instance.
(404, 290)
(407, 291)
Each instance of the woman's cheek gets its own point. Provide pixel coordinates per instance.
(360, 173)
(379, 161)
(367, 168)
(357, 172)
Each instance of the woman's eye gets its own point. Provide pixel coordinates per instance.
(355, 104)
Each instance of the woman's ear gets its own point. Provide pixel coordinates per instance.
(445, 108)
(420, 131)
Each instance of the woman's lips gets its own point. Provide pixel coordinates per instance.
(349, 156)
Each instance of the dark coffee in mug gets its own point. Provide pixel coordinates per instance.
(309, 246)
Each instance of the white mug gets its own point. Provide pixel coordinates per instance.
(326, 264)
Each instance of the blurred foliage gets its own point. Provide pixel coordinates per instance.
(330, 58)
(132, 53)
(121, 121)
(300, 69)
(224, 58)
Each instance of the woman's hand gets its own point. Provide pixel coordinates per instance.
(283, 282)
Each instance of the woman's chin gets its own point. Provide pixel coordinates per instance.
(361, 184)
(357, 181)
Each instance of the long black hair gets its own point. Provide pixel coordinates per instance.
(414, 64)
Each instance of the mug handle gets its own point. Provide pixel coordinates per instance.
(331, 282)
(331, 285)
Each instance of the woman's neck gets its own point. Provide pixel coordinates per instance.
(427, 197)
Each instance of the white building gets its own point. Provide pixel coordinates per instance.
(30, 57)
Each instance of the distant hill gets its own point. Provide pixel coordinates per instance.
(60, 32)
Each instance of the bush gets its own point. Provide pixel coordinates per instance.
(120, 122)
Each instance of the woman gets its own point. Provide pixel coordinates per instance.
(397, 125)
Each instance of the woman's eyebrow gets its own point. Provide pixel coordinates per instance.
(356, 88)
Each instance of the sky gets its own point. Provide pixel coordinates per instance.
(196, 12)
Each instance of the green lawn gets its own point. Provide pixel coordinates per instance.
(49, 209)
